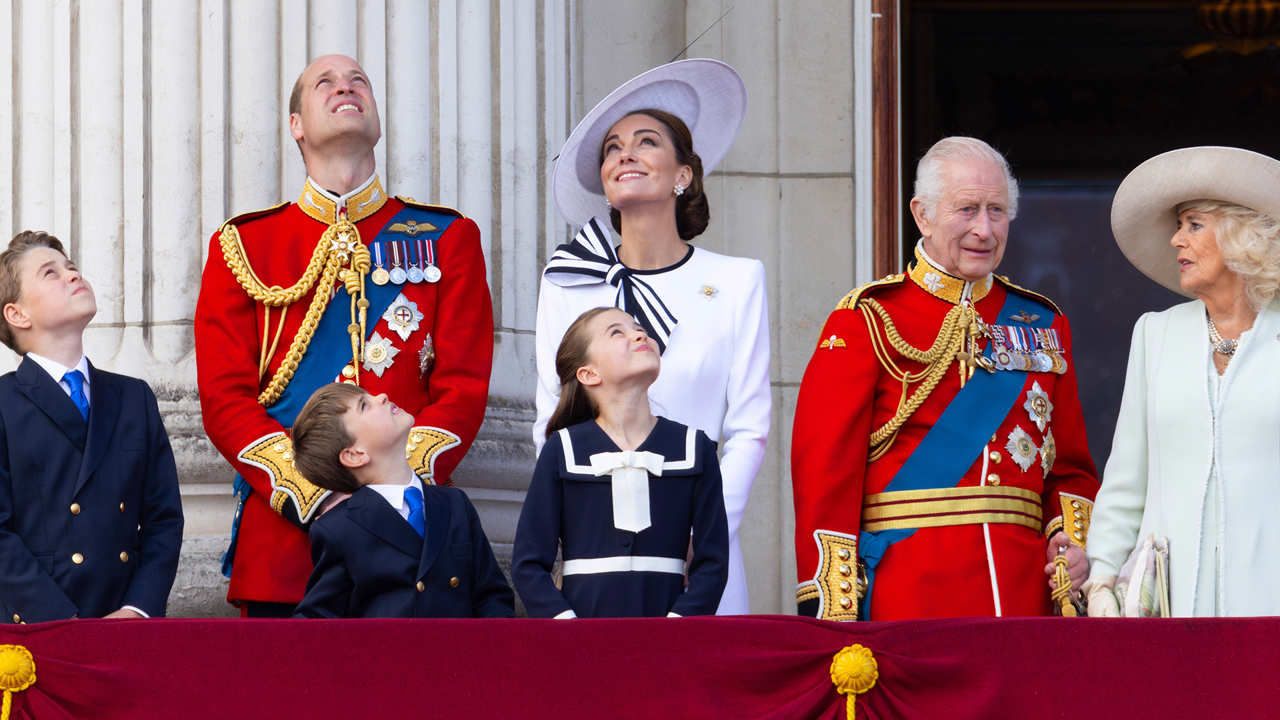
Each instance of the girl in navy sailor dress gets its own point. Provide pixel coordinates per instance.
(619, 491)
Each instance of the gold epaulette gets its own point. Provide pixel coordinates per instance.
(253, 214)
(849, 301)
(1008, 284)
(428, 206)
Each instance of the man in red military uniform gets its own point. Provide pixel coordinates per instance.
(939, 448)
(345, 284)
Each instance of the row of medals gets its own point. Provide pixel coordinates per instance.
(416, 273)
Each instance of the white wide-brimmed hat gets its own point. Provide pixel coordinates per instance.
(708, 95)
(1142, 214)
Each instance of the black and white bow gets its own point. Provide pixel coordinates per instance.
(590, 258)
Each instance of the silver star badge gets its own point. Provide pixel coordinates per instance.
(1022, 448)
(1038, 406)
(403, 316)
(379, 353)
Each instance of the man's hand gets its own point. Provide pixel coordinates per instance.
(122, 613)
(1077, 561)
(335, 498)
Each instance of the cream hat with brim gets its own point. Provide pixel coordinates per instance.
(708, 95)
(1143, 217)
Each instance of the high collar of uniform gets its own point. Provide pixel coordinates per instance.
(939, 283)
(357, 205)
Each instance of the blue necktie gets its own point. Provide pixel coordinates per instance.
(417, 518)
(75, 381)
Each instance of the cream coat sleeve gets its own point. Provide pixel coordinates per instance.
(1118, 510)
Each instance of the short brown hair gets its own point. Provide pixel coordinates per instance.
(693, 213)
(320, 436)
(11, 281)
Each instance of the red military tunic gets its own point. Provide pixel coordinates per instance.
(234, 333)
(976, 544)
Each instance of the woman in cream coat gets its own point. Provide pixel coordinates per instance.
(1196, 455)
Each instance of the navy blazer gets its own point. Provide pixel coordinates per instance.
(370, 563)
(90, 515)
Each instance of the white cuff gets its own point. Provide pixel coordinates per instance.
(136, 609)
(566, 615)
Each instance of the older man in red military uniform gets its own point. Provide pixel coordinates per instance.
(939, 449)
(344, 284)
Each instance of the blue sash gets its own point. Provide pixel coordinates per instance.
(330, 349)
(953, 444)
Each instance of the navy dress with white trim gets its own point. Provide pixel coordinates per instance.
(610, 572)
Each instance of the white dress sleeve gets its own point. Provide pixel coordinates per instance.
(548, 331)
(749, 400)
(1118, 510)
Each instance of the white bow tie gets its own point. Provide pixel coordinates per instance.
(630, 472)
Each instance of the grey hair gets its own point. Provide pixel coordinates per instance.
(929, 171)
(1250, 245)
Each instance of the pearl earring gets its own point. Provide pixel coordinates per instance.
(678, 190)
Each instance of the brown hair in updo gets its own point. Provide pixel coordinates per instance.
(692, 211)
(575, 405)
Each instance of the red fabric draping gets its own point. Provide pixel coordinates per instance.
(748, 667)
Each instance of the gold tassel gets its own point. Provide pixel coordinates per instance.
(854, 672)
(17, 673)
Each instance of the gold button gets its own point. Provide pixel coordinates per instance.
(75, 508)
(993, 437)
(348, 371)
(844, 553)
(349, 382)
(846, 586)
(286, 456)
(278, 447)
(77, 558)
(1075, 503)
(454, 581)
(419, 438)
(121, 506)
(993, 479)
(421, 586)
(1079, 523)
(17, 617)
(846, 570)
(996, 456)
(846, 603)
(124, 556)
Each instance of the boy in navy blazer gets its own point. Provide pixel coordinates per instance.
(395, 548)
(90, 516)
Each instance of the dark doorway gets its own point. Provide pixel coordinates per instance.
(1076, 94)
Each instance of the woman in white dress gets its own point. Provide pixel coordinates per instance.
(1196, 455)
(636, 163)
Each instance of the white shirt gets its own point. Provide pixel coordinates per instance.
(56, 370)
(714, 376)
(394, 494)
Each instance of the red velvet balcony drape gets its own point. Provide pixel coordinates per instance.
(749, 667)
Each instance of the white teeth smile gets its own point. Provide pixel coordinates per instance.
(347, 106)
(629, 175)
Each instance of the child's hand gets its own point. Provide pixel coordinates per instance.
(122, 613)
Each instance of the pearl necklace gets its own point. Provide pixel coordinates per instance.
(1225, 346)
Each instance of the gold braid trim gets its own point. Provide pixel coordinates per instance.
(424, 445)
(937, 359)
(339, 245)
(274, 296)
(274, 454)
